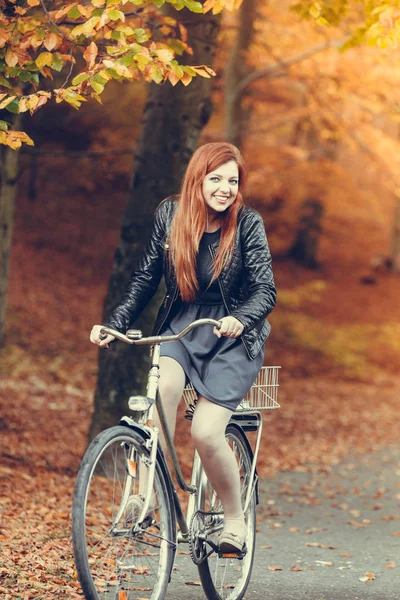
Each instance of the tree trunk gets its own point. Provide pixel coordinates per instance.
(236, 69)
(8, 188)
(305, 247)
(172, 121)
(395, 253)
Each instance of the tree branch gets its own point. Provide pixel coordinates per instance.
(272, 70)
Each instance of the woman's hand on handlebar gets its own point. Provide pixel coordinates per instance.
(97, 338)
(230, 327)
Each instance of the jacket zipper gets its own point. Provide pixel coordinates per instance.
(165, 304)
(225, 303)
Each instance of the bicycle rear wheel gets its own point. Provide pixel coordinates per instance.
(115, 559)
(228, 578)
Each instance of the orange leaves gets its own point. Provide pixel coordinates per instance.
(38, 48)
(52, 41)
(15, 139)
(11, 57)
(4, 37)
(33, 102)
(90, 55)
(367, 577)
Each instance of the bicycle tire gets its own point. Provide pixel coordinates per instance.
(112, 561)
(228, 578)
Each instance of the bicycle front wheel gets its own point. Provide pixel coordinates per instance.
(228, 578)
(115, 558)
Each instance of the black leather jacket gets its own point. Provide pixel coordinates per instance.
(247, 283)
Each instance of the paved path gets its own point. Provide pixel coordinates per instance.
(332, 527)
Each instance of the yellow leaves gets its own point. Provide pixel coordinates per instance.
(5, 100)
(15, 139)
(164, 55)
(87, 28)
(44, 60)
(156, 74)
(90, 55)
(69, 95)
(36, 40)
(218, 6)
(204, 71)
(119, 68)
(33, 101)
(34, 2)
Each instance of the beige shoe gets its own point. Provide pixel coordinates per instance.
(231, 543)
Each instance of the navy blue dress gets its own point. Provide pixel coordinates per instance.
(218, 368)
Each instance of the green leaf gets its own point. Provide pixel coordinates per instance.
(13, 106)
(3, 125)
(80, 78)
(179, 4)
(177, 69)
(176, 46)
(127, 60)
(96, 86)
(57, 63)
(25, 76)
(113, 74)
(35, 78)
(116, 15)
(74, 13)
(189, 71)
(99, 79)
(141, 35)
(194, 6)
(158, 3)
(4, 82)
(156, 74)
(14, 71)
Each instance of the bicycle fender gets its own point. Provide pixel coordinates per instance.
(129, 422)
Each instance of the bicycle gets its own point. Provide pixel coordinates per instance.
(126, 509)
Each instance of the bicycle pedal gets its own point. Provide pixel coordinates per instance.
(239, 554)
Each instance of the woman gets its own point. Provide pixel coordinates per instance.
(214, 255)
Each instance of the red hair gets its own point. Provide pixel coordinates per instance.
(190, 219)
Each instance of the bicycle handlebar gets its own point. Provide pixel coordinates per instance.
(134, 336)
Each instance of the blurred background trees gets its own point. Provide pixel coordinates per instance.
(320, 132)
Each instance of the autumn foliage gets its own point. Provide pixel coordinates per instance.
(129, 40)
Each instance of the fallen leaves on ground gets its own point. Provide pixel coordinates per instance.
(367, 577)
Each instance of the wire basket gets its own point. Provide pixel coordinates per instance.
(262, 395)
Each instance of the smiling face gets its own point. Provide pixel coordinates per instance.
(220, 188)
